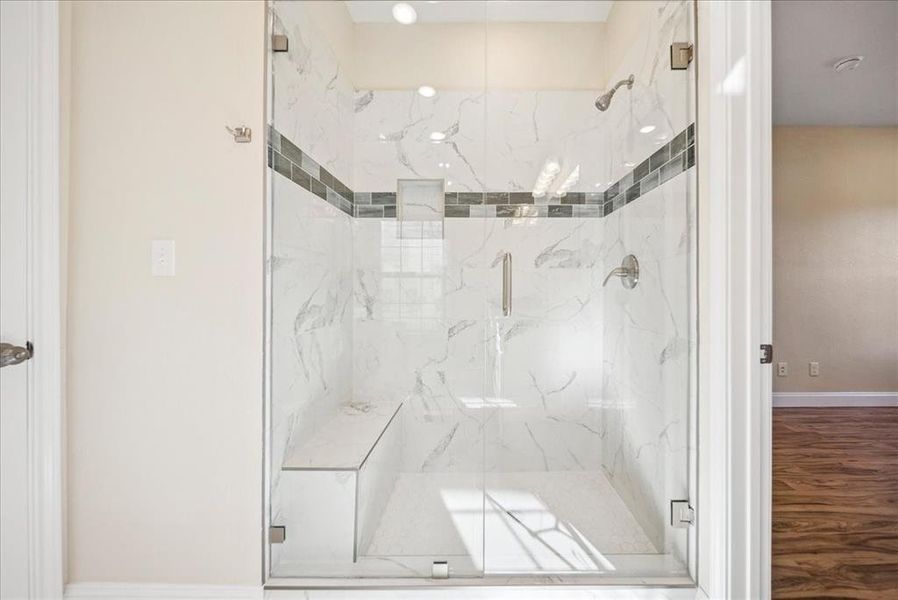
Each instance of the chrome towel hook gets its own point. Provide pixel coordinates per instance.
(242, 135)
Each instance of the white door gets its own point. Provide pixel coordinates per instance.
(30, 566)
(13, 303)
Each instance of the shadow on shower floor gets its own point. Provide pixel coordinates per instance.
(527, 522)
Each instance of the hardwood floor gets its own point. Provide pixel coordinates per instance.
(835, 503)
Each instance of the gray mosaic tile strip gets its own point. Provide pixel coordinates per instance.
(286, 158)
(664, 164)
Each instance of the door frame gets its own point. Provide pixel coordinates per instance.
(735, 284)
(735, 296)
(44, 545)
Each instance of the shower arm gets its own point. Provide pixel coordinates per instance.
(627, 82)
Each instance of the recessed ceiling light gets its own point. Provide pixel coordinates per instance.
(404, 13)
(849, 63)
(647, 129)
(438, 136)
(427, 91)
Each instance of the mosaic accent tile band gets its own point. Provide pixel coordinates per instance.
(294, 164)
(667, 162)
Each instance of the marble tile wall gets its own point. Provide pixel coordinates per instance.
(312, 95)
(429, 329)
(579, 377)
(311, 317)
(649, 331)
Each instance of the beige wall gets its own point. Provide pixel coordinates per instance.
(389, 56)
(835, 252)
(519, 56)
(165, 374)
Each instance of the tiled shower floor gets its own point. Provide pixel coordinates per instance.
(534, 522)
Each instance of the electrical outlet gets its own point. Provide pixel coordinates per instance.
(814, 369)
(782, 369)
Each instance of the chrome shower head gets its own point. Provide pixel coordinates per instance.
(604, 101)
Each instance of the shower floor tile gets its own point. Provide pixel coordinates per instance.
(549, 522)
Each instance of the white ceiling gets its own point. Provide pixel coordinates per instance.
(809, 36)
(474, 11)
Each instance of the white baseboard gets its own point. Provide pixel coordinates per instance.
(147, 591)
(143, 591)
(833, 399)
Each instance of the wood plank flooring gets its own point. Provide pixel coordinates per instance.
(835, 503)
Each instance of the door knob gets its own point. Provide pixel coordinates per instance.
(13, 355)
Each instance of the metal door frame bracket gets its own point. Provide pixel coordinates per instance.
(682, 515)
(277, 534)
(681, 54)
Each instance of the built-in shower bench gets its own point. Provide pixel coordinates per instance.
(335, 484)
(344, 441)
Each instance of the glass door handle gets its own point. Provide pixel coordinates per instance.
(13, 355)
(506, 284)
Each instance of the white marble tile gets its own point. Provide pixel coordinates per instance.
(345, 440)
(377, 478)
(649, 334)
(420, 201)
(660, 97)
(493, 141)
(312, 98)
(318, 510)
(533, 522)
(311, 321)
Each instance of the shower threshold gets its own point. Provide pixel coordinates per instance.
(528, 528)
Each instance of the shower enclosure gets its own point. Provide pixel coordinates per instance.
(456, 386)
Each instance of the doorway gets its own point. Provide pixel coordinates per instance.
(835, 299)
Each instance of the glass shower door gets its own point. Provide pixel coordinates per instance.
(377, 321)
(591, 380)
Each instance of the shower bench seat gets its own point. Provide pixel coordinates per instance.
(344, 441)
(335, 485)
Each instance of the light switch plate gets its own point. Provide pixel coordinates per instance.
(814, 369)
(163, 258)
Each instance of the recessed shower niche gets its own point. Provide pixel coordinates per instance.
(454, 383)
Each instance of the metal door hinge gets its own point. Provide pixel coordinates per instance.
(681, 514)
(279, 43)
(766, 354)
(440, 569)
(680, 55)
(277, 534)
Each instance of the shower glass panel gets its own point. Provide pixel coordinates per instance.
(455, 384)
(377, 304)
(587, 438)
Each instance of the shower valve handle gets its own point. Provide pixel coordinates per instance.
(628, 271)
(615, 272)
